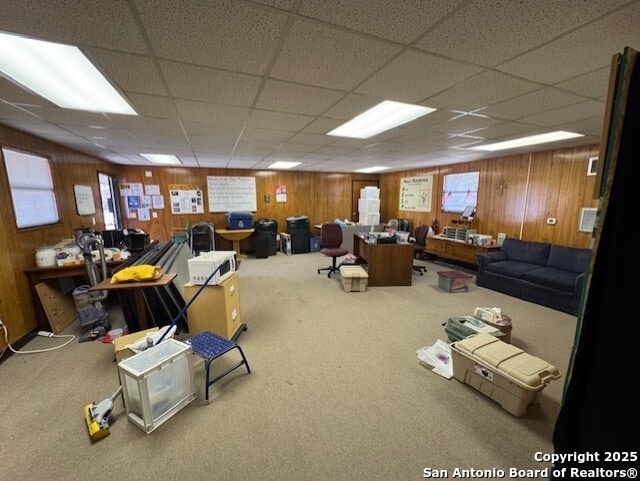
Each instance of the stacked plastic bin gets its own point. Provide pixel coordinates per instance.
(369, 206)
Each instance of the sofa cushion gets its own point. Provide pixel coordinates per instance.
(513, 269)
(553, 278)
(525, 251)
(568, 258)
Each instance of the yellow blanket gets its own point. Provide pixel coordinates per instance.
(142, 272)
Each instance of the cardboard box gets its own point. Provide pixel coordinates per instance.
(120, 343)
(354, 278)
(157, 383)
(454, 281)
(501, 371)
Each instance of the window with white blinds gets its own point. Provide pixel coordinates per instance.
(34, 201)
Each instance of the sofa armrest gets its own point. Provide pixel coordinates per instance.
(487, 258)
(579, 285)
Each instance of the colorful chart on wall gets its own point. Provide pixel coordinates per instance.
(232, 194)
(415, 193)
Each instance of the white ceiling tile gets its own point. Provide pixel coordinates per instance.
(229, 34)
(10, 112)
(471, 124)
(351, 105)
(90, 23)
(397, 80)
(312, 54)
(215, 114)
(401, 22)
(13, 93)
(593, 84)
(251, 134)
(295, 98)
(571, 113)
(503, 29)
(191, 82)
(480, 91)
(581, 51)
(592, 126)
(278, 120)
(532, 103)
(510, 130)
(321, 125)
(312, 139)
(144, 78)
(153, 106)
(70, 116)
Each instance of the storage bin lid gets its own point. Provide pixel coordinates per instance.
(353, 271)
(240, 214)
(528, 371)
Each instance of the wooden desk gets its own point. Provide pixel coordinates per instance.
(235, 236)
(137, 287)
(387, 264)
(456, 250)
(36, 275)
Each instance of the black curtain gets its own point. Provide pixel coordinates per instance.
(599, 414)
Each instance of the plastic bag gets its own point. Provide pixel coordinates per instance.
(438, 356)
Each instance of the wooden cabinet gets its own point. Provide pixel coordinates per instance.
(455, 250)
(216, 309)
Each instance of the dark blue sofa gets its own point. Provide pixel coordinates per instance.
(539, 272)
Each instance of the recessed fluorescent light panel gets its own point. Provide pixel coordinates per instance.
(532, 140)
(60, 73)
(384, 116)
(281, 164)
(162, 159)
(371, 170)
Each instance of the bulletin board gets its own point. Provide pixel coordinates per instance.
(186, 199)
(415, 193)
(232, 194)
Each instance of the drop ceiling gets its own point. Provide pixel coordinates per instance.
(242, 84)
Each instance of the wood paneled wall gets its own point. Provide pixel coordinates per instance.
(18, 247)
(322, 197)
(537, 186)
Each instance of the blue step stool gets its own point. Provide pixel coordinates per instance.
(210, 346)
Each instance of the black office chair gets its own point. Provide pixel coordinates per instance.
(330, 241)
(201, 238)
(420, 235)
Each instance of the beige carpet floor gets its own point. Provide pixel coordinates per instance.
(336, 392)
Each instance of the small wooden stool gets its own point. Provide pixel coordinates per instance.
(210, 346)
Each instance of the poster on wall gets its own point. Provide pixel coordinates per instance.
(281, 193)
(460, 191)
(415, 193)
(84, 199)
(186, 199)
(232, 194)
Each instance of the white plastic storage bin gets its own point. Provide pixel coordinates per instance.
(501, 371)
(369, 205)
(370, 193)
(157, 383)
